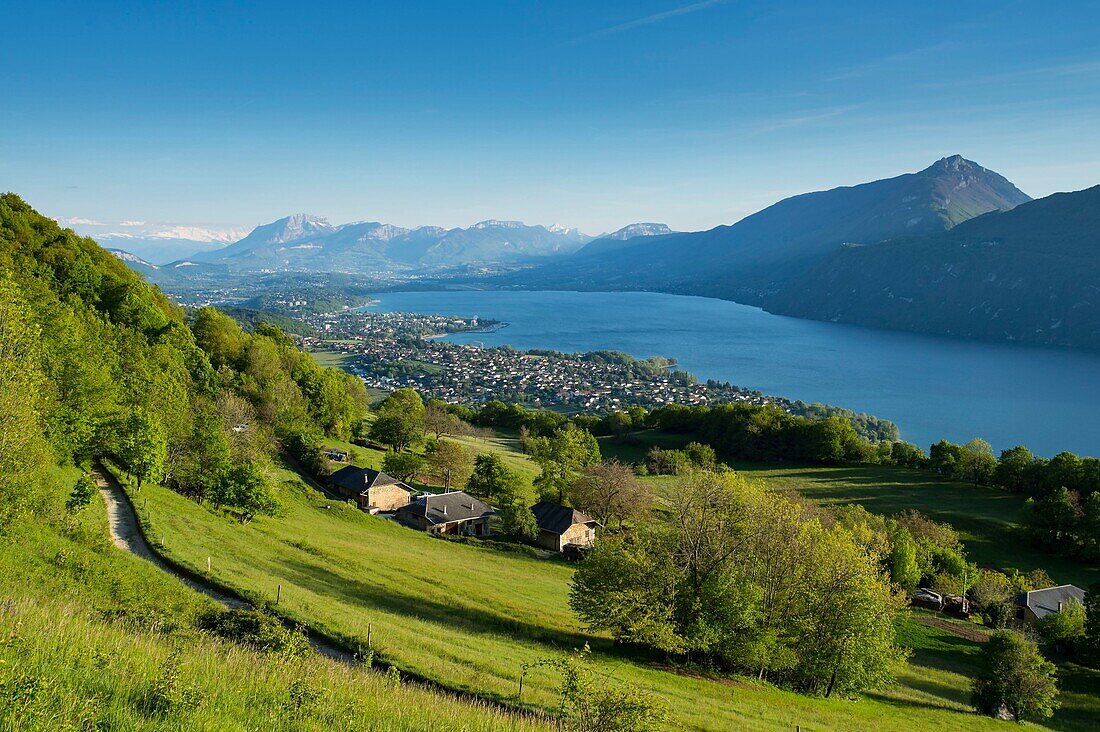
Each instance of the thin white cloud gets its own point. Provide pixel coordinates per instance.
(807, 117)
(131, 223)
(652, 19)
(79, 221)
(891, 61)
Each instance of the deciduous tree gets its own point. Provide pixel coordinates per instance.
(143, 447)
(491, 479)
(1015, 675)
(402, 465)
(561, 456)
(449, 462)
(610, 491)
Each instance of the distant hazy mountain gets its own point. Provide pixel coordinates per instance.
(300, 231)
(169, 274)
(136, 263)
(308, 243)
(632, 230)
(156, 243)
(621, 239)
(761, 252)
(1030, 274)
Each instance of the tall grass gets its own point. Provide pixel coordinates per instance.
(92, 638)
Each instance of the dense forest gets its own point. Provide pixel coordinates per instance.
(96, 364)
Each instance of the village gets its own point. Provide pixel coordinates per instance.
(395, 350)
(470, 374)
(356, 324)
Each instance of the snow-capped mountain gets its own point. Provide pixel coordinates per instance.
(302, 242)
(155, 243)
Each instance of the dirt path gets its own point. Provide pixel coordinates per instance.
(971, 633)
(126, 534)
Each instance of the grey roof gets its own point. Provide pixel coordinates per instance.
(556, 518)
(1046, 602)
(446, 508)
(359, 480)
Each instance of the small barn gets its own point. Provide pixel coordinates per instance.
(372, 490)
(561, 526)
(454, 512)
(1037, 604)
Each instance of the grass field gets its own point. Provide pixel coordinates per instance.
(329, 359)
(470, 617)
(92, 638)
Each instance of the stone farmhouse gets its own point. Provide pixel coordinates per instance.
(372, 490)
(455, 512)
(561, 527)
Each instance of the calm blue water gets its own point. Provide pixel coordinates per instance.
(931, 387)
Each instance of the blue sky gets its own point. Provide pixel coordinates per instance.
(586, 114)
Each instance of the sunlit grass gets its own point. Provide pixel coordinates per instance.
(471, 617)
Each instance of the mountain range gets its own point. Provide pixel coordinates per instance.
(954, 249)
(309, 243)
(1031, 274)
(760, 253)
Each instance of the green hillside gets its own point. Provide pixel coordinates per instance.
(470, 617)
(93, 638)
(202, 421)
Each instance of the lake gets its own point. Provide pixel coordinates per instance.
(931, 387)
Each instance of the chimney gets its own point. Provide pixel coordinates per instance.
(445, 513)
(1059, 606)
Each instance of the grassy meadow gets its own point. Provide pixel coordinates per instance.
(92, 638)
(469, 617)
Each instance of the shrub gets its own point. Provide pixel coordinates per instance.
(81, 495)
(1063, 630)
(258, 629)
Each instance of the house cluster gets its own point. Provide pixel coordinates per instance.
(471, 374)
(561, 529)
(374, 325)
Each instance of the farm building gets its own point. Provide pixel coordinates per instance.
(448, 513)
(1032, 606)
(560, 526)
(373, 490)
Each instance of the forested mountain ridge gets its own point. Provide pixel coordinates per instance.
(1031, 274)
(97, 364)
(758, 253)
